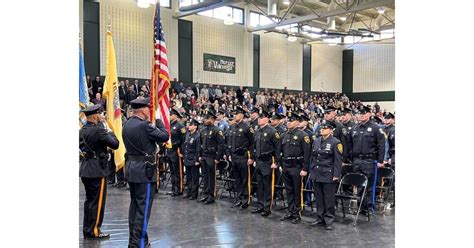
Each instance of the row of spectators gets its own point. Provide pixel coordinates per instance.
(192, 98)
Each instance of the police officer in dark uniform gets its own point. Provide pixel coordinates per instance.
(368, 146)
(141, 139)
(296, 149)
(390, 132)
(330, 115)
(210, 152)
(93, 143)
(326, 164)
(191, 145)
(348, 125)
(254, 118)
(304, 127)
(267, 143)
(174, 154)
(276, 123)
(241, 137)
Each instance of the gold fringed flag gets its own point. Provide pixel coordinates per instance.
(111, 96)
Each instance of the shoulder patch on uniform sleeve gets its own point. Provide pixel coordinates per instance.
(277, 135)
(339, 148)
(251, 130)
(183, 130)
(306, 139)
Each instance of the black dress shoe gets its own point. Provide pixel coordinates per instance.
(174, 194)
(121, 184)
(329, 227)
(101, 236)
(265, 213)
(192, 198)
(209, 201)
(296, 220)
(257, 210)
(244, 206)
(317, 223)
(238, 204)
(203, 199)
(286, 217)
(186, 196)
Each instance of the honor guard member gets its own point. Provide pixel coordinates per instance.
(241, 137)
(254, 118)
(93, 143)
(210, 152)
(390, 132)
(174, 154)
(276, 123)
(267, 143)
(141, 139)
(348, 125)
(295, 148)
(191, 145)
(326, 165)
(368, 146)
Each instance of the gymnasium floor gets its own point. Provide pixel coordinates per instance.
(182, 222)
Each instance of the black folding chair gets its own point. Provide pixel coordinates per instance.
(384, 187)
(357, 184)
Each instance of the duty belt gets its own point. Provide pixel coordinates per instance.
(136, 158)
(292, 158)
(365, 156)
(265, 157)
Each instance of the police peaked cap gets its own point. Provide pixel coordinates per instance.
(140, 103)
(94, 109)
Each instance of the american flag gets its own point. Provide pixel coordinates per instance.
(160, 82)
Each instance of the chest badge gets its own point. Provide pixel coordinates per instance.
(241, 130)
(174, 128)
(295, 137)
(369, 129)
(265, 134)
(191, 141)
(328, 147)
(210, 133)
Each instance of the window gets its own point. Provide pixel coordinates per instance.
(257, 19)
(221, 13)
(165, 3)
(183, 3)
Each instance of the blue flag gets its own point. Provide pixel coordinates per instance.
(83, 94)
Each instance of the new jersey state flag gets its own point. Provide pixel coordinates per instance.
(111, 96)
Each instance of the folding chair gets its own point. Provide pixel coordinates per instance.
(356, 183)
(384, 187)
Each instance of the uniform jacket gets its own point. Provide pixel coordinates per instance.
(326, 159)
(241, 139)
(93, 141)
(296, 143)
(212, 142)
(368, 139)
(191, 145)
(141, 138)
(267, 143)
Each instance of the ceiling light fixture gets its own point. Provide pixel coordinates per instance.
(229, 20)
(286, 2)
(381, 10)
(292, 38)
(343, 18)
(143, 3)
